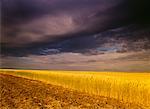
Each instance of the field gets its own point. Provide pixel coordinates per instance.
(75, 89)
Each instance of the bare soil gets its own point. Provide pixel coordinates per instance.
(21, 93)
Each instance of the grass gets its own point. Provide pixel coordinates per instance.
(125, 87)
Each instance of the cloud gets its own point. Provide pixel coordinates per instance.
(34, 21)
(75, 34)
(122, 39)
(18, 11)
(133, 61)
(42, 29)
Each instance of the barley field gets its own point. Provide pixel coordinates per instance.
(124, 87)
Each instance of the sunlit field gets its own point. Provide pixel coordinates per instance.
(125, 87)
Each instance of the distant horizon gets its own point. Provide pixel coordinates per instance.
(75, 70)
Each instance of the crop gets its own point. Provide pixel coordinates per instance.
(125, 87)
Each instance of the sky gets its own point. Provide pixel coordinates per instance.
(75, 34)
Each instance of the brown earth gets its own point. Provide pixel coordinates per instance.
(21, 93)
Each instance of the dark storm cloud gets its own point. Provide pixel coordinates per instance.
(123, 39)
(29, 24)
(32, 21)
(110, 35)
(19, 10)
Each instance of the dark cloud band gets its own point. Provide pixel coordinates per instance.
(28, 23)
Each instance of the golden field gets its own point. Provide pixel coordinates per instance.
(125, 87)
